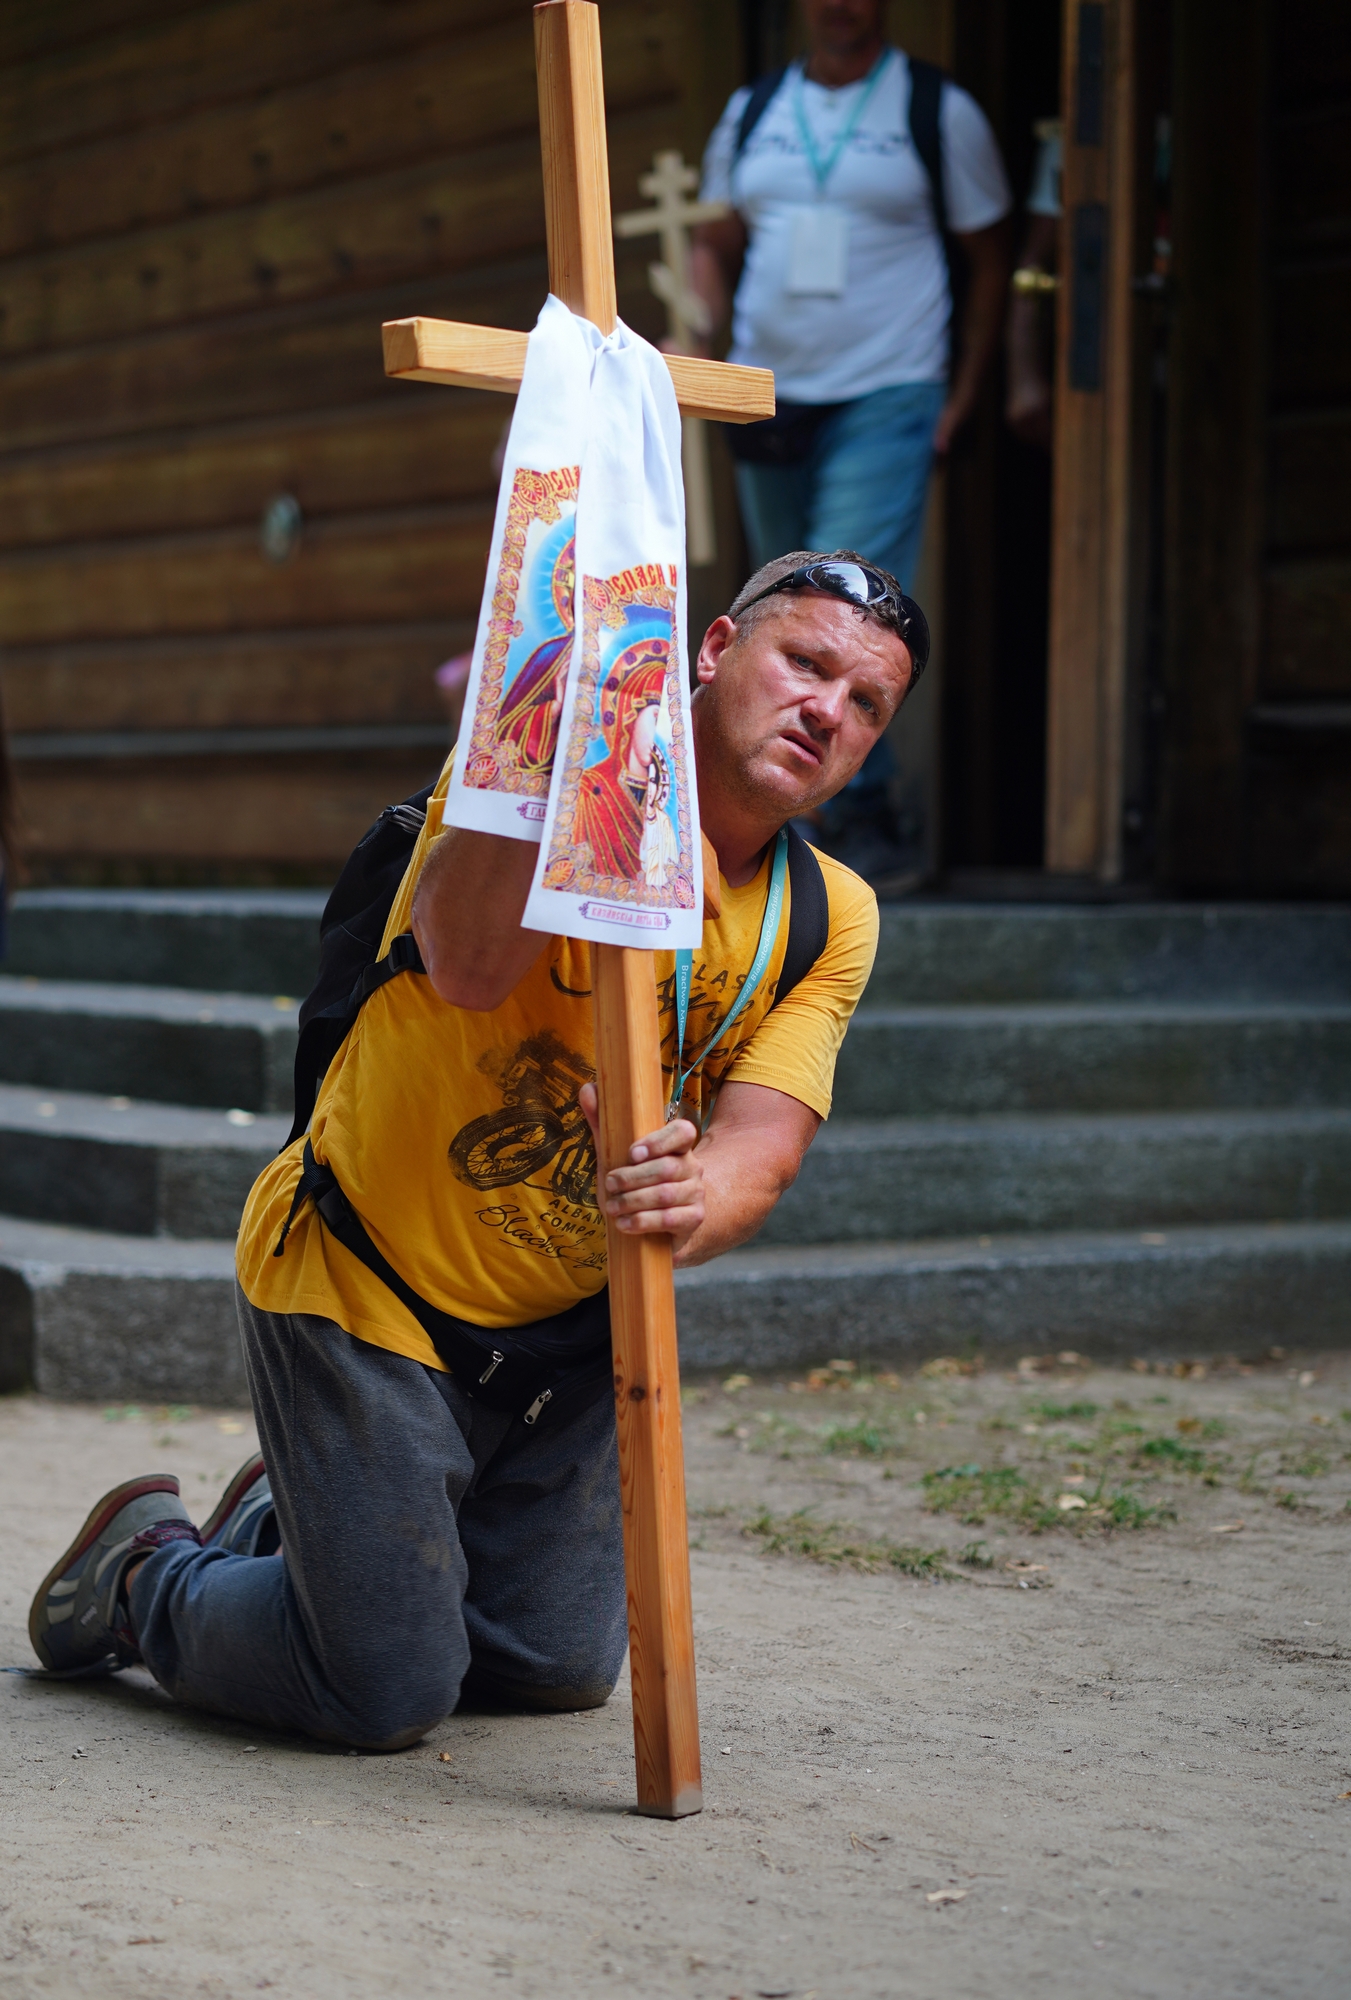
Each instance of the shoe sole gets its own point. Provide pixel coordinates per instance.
(111, 1503)
(249, 1473)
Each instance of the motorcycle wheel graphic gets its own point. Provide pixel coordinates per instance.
(505, 1146)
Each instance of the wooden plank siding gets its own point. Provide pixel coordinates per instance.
(206, 212)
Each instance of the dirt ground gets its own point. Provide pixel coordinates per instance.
(1090, 1626)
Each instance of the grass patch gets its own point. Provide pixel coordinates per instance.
(971, 1492)
(840, 1546)
(1305, 1464)
(1065, 1413)
(1171, 1452)
(865, 1438)
(976, 1556)
(1124, 1510)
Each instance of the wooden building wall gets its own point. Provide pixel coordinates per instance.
(207, 207)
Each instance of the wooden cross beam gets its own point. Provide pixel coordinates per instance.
(628, 1045)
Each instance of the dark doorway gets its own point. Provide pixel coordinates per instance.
(999, 508)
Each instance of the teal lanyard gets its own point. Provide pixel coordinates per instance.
(769, 931)
(824, 171)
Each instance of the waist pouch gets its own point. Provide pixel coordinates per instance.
(559, 1366)
(786, 438)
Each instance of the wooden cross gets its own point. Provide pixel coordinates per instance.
(686, 316)
(624, 982)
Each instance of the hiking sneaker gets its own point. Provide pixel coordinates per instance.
(244, 1520)
(79, 1623)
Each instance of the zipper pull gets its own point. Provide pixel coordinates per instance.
(492, 1368)
(545, 1396)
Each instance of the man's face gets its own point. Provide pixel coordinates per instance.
(841, 26)
(787, 713)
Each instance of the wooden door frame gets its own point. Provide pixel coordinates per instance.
(1095, 611)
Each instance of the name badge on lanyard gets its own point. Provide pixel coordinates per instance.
(818, 251)
(818, 235)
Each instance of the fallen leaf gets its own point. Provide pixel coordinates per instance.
(444, 1757)
(1069, 1501)
(945, 1895)
(735, 1382)
(145, 1940)
(1344, 1795)
(1227, 1528)
(856, 1844)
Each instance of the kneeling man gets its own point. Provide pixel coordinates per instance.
(409, 1536)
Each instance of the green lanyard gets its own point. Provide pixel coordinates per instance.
(824, 172)
(769, 931)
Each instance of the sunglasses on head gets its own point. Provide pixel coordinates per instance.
(859, 583)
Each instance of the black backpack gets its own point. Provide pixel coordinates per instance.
(926, 97)
(356, 913)
(561, 1364)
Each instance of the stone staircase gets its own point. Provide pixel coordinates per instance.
(1122, 1128)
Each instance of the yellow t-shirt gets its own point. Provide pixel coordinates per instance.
(457, 1136)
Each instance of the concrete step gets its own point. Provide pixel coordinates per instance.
(166, 1044)
(140, 1169)
(85, 1315)
(930, 953)
(213, 940)
(881, 1178)
(1100, 1056)
(89, 1315)
(1226, 1289)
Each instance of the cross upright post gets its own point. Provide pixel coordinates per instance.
(628, 1045)
(669, 185)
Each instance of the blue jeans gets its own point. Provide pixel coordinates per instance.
(430, 1548)
(862, 486)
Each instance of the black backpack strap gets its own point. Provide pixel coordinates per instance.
(324, 1033)
(808, 915)
(926, 98)
(926, 103)
(495, 1368)
(763, 92)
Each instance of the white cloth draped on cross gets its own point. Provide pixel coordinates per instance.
(580, 648)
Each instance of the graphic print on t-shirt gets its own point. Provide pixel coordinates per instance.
(514, 728)
(540, 1123)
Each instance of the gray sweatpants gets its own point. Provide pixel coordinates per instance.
(429, 1548)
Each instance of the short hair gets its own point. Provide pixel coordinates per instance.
(746, 614)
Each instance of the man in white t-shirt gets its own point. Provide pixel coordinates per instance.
(833, 267)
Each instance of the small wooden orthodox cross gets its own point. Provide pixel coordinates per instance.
(628, 1045)
(686, 316)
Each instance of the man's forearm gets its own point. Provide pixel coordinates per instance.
(467, 913)
(982, 323)
(750, 1154)
(716, 252)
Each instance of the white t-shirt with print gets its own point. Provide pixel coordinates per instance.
(890, 324)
